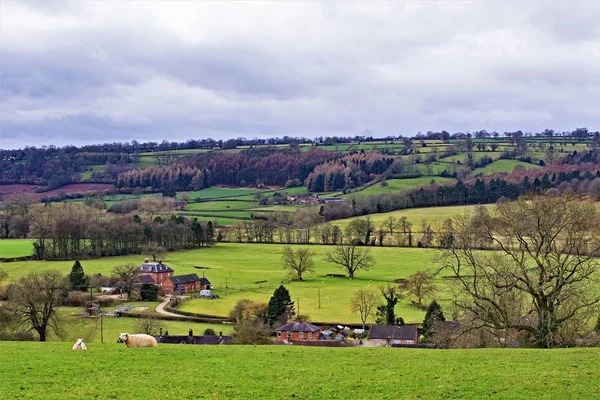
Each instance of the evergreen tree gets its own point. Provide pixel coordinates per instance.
(434, 314)
(281, 307)
(77, 277)
(149, 292)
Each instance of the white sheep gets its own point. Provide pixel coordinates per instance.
(79, 345)
(139, 340)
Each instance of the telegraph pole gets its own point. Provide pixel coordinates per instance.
(101, 329)
(319, 290)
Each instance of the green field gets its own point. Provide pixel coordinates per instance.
(433, 215)
(94, 168)
(74, 327)
(462, 157)
(239, 266)
(214, 192)
(15, 248)
(221, 205)
(396, 185)
(111, 371)
(503, 166)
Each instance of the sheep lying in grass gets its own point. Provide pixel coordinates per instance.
(79, 345)
(139, 340)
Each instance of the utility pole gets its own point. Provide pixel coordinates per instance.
(101, 329)
(298, 305)
(319, 290)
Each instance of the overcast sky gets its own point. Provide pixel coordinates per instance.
(93, 72)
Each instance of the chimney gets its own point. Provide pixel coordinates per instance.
(146, 259)
(191, 333)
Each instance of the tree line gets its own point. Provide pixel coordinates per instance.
(74, 230)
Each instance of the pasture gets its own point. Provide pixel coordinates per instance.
(105, 371)
(89, 329)
(433, 215)
(234, 269)
(506, 166)
(396, 185)
(15, 248)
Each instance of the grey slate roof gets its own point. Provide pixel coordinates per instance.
(299, 327)
(181, 279)
(402, 332)
(144, 279)
(154, 268)
(204, 281)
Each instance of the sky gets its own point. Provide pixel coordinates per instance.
(112, 71)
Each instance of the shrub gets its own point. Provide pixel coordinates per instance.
(209, 332)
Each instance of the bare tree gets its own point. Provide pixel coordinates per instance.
(390, 223)
(351, 258)
(298, 262)
(34, 300)
(364, 301)
(125, 275)
(157, 252)
(152, 206)
(419, 285)
(148, 325)
(544, 274)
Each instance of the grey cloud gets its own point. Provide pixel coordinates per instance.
(77, 73)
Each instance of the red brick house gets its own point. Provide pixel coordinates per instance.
(159, 272)
(185, 283)
(298, 331)
(394, 334)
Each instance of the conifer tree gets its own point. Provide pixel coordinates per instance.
(77, 277)
(281, 306)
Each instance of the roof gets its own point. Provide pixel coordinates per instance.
(393, 332)
(296, 326)
(144, 279)
(154, 267)
(204, 281)
(181, 279)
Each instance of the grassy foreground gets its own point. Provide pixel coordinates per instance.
(110, 371)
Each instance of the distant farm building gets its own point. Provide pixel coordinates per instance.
(394, 334)
(157, 272)
(298, 331)
(186, 283)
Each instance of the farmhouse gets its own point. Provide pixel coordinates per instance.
(394, 334)
(298, 331)
(186, 283)
(159, 272)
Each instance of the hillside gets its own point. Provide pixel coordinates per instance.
(54, 371)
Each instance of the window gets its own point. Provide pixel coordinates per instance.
(310, 335)
(301, 335)
(409, 342)
(278, 333)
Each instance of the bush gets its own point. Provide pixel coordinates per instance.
(209, 332)
(149, 292)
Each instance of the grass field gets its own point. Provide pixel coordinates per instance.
(218, 192)
(111, 371)
(221, 205)
(89, 328)
(396, 185)
(239, 266)
(433, 215)
(15, 248)
(503, 166)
